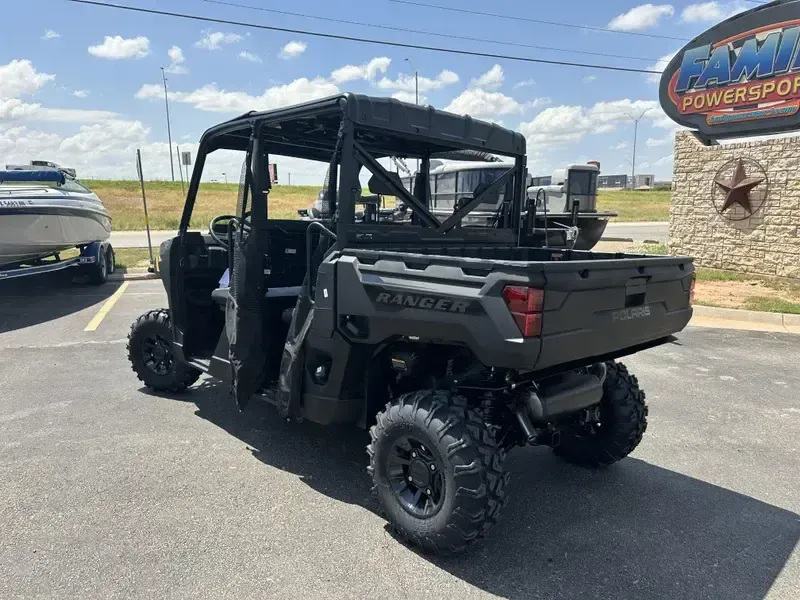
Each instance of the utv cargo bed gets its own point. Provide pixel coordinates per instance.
(594, 305)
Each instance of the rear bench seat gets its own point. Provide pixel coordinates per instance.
(220, 296)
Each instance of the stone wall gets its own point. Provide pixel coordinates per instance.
(766, 243)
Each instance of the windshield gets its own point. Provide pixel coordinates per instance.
(582, 183)
(70, 185)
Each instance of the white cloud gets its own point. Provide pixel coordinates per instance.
(659, 66)
(367, 71)
(525, 83)
(117, 47)
(51, 35)
(666, 160)
(641, 17)
(176, 57)
(409, 97)
(561, 125)
(293, 49)
(491, 80)
(485, 105)
(590, 78)
(249, 56)
(211, 98)
(14, 109)
(711, 11)
(620, 146)
(407, 83)
(214, 40)
(80, 93)
(20, 77)
(656, 142)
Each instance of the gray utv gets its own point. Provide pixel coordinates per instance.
(450, 344)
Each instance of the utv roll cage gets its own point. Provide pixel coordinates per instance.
(352, 131)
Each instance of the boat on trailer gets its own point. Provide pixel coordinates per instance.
(43, 212)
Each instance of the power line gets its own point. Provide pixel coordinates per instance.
(363, 40)
(423, 32)
(539, 21)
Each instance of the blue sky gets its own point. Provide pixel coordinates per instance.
(87, 93)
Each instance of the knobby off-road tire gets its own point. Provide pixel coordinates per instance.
(150, 353)
(453, 438)
(623, 421)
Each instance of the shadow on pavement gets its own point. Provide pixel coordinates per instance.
(632, 531)
(46, 297)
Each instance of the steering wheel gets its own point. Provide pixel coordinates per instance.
(233, 220)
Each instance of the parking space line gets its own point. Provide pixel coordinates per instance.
(106, 308)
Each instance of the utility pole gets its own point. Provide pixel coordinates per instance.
(416, 90)
(225, 175)
(169, 132)
(635, 133)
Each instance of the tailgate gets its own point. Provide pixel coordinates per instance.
(598, 307)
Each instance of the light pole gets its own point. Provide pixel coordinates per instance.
(635, 132)
(416, 90)
(169, 132)
(225, 175)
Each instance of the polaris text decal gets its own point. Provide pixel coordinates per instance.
(627, 314)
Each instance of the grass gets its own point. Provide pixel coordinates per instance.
(654, 249)
(772, 305)
(635, 205)
(165, 201)
(124, 258)
(129, 258)
(714, 275)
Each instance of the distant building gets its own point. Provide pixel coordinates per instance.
(613, 181)
(644, 181)
(621, 182)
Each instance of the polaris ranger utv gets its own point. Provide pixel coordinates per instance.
(451, 344)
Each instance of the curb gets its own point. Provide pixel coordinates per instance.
(616, 239)
(745, 319)
(134, 276)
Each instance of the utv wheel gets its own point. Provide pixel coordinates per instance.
(150, 353)
(623, 420)
(437, 470)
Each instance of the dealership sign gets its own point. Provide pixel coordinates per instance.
(741, 77)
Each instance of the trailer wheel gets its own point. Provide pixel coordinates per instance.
(437, 470)
(111, 260)
(151, 356)
(98, 272)
(623, 421)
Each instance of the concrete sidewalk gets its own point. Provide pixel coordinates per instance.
(750, 320)
(637, 232)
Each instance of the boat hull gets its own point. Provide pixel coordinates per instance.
(30, 231)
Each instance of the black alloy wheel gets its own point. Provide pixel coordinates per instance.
(157, 354)
(416, 476)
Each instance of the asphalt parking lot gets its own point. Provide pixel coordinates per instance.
(112, 492)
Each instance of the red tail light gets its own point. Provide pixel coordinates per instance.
(691, 289)
(525, 305)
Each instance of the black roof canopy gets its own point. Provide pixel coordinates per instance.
(383, 126)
